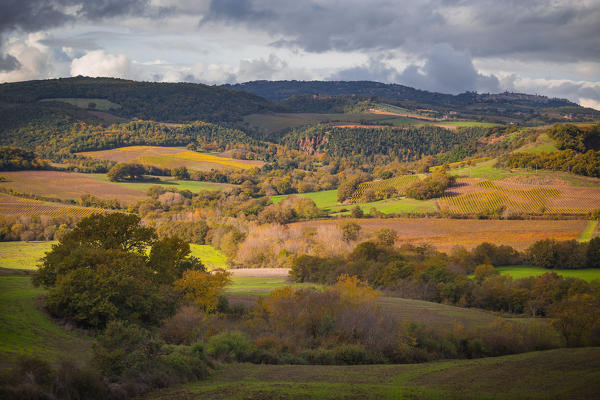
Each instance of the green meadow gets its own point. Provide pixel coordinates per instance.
(553, 374)
(524, 271)
(23, 255)
(26, 330)
(327, 200)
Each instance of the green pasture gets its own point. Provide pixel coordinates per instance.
(23, 255)
(327, 200)
(26, 330)
(524, 271)
(553, 374)
(209, 256)
(261, 286)
(588, 232)
(101, 104)
(543, 144)
(192, 186)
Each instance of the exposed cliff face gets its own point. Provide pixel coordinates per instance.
(314, 144)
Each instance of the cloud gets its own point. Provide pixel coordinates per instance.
(590, 103)
(34, 59)
(585, 93)
(539, 29)
(445, 70)
(99, 63)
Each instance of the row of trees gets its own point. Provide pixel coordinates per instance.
(426, 274)
(587, 164)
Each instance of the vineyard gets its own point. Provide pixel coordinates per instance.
(486, 197)
(17, 206)
(383, 187)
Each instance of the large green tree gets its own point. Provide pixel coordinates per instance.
(100, 271)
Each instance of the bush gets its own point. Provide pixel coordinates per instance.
(230, 346)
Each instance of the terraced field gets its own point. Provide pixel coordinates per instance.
(171, 157)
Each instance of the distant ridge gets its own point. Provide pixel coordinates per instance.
(280, 90)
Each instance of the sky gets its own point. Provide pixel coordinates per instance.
(545, 47)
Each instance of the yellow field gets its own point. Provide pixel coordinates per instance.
(171, 157)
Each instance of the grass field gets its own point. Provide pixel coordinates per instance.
(22, 255)
(327, 200)
(26, 330)
(543, 144)
(25, 255)
(553, 374)
(192, 186)
(589, 232)
(171, 157)
(209, 256)
(524, 271)
(260, 286)
(445, 233)
(100, 104)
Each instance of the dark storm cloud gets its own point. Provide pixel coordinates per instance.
(37, 15)
(539, 29)
(8, 63)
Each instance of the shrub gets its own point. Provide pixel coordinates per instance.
(230, 346)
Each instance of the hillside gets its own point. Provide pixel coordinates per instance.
(138, 100)
(507, 106)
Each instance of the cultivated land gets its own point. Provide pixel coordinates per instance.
(27, 330)
(557, 374)
(520, 194)
(171, 157)
(72, 185)
(444, 234)
(14, 206)
(68, 186)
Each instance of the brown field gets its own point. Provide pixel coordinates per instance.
(447, 233)
(68, 185)
(172, 157)
(13, 206)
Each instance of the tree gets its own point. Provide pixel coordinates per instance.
(386, 236)
(180, 173)
(347, 188)
(483, 271)
(350, 230)
(99, 272)
(123, 172)
(202, 288)
(357, 212)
